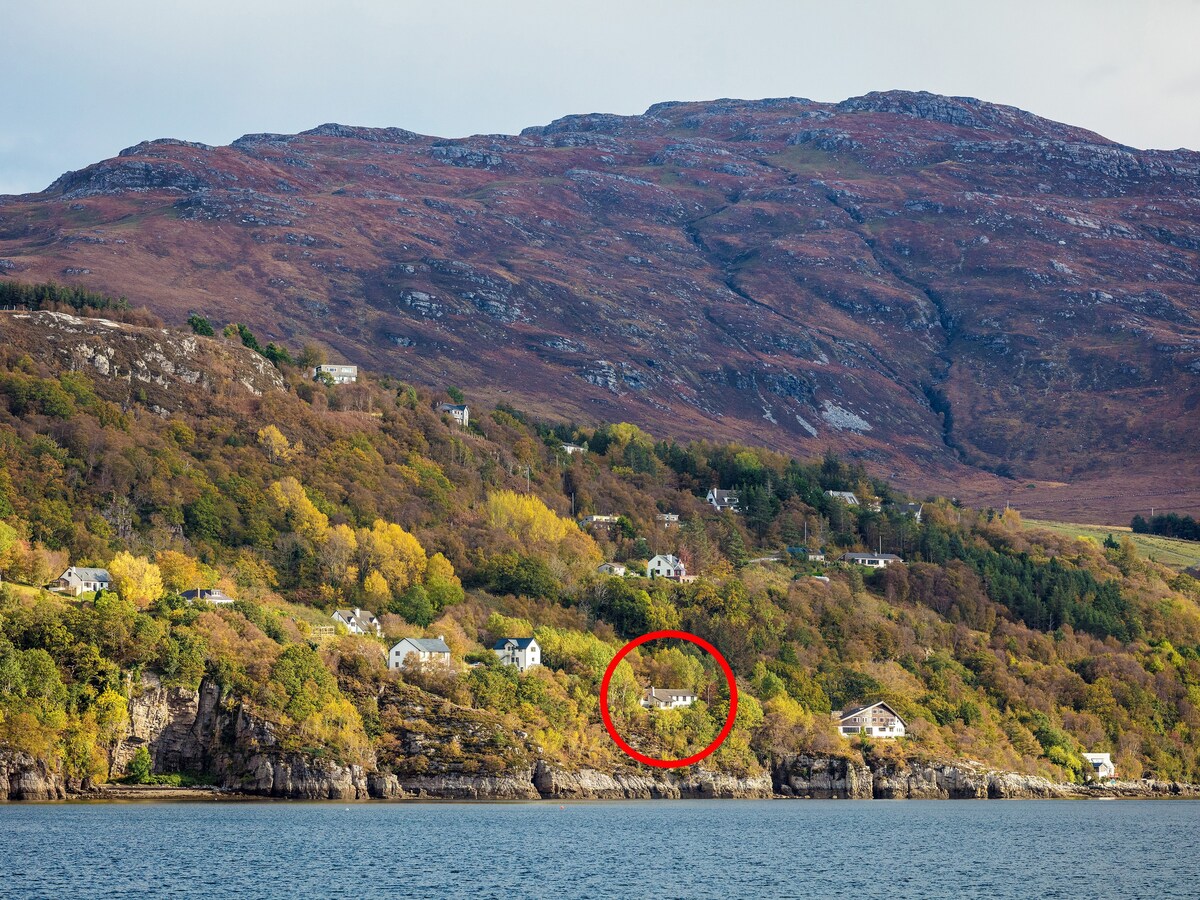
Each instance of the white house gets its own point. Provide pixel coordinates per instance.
(870, 560)
(874, 720)
(572, 449)
(82, 580)
(667, 698)
(913, 510)
(358, 621)
(211, 596)
(339, 373)
(669, 520)
(666, 566)
(1102, 765)
(722, 500)
(457, 411)
(519, 652)
(611, 568)
(414, 650)
(599, 521)
(846, 497)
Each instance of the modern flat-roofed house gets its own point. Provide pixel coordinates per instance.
(358, 621)
(722, 500)
(666, 566)
(610, 568)
(599, 521)
(1102, 765)
(459, 412)
(207, 596)
(341, 374)
(846, 497)
(419, 650)
(874, 720)
(572, 449)
(870, 560)
(82, 580)
(668, 520)
(519, 652)
(667, 698)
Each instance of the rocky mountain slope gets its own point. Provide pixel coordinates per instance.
(922, 280)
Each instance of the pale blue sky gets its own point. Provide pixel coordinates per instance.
(84, 78)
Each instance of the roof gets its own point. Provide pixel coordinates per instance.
(87, 574)
(668, 558)
(349, 614)
(720, 495)
(848, 496)
(426, 645)
(854, 711)
(461, 407)
(522, 643)
(668, 693)
(887, 556)
(202, 594)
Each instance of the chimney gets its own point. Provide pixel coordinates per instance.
(357, 612)
(441, 637)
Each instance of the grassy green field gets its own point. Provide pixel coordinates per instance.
(1168, 551)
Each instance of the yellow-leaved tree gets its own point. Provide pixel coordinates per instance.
(275, 444)
(542, 532)
(301, 513)
(182, 573)
(396, 555)
(338, 552)
(136, 579)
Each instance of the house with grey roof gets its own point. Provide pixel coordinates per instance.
(667, 698)
(665, 565)
(79, 580)
(611, 568)
(412, 651)
(358, 621)
(207, 596)
(846, 497)
(870, 560)
(913, 511)
(873, 720)
(457, 411)
(519, 652)
(722, 500)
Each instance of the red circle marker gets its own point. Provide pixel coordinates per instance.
(650, 760)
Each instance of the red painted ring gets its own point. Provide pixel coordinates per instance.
(695, 757)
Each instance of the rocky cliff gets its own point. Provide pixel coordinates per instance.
(24, 778)
(916, 279)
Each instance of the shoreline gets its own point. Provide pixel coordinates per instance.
(103, 794)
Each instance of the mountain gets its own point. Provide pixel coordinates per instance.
(939, 286)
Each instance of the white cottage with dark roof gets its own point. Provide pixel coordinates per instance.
(82, 580)
(667, 698)
(419, 650)
(358, 621)
(519, 652)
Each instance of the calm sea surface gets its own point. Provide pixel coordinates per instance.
(639, 849)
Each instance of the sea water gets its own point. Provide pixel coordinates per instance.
(720, 849)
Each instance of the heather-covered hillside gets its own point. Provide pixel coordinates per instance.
(917, 280)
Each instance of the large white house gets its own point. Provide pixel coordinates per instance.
(419, 650)
(358, 621)
(666, 566)
(667, 698)
(459, 412)
(722, 500)
(339, 373)
(874, 720)
(1102, 765)
(519, 652)
(611, 568)
(870, 560)
(82, 580)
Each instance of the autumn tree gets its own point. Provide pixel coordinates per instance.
(135, 579)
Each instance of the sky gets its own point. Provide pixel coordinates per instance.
(85, 78)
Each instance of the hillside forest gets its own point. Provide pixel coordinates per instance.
(1020, 649)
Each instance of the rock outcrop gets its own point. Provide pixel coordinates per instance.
(24, 778)
(821, 778)
(589, 784)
